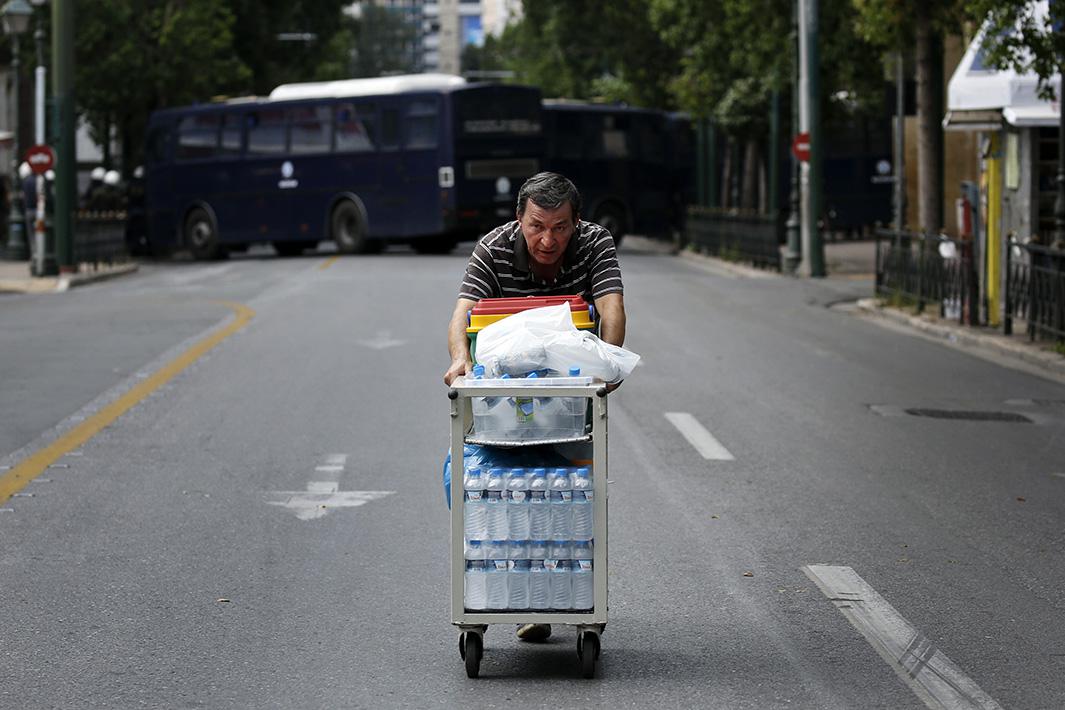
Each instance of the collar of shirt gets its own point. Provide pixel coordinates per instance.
(521, 254)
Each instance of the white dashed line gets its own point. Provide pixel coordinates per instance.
(697, 435)
(936, 680)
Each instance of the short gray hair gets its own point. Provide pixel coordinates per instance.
(549, 191)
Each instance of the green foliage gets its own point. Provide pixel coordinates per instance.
(890, 24)
(595, 49)
(383, 43)
(1015, 37)
(167, 54)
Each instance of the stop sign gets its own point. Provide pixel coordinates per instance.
(41, 159)
(800, 146)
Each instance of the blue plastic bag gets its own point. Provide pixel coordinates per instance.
(498, 457)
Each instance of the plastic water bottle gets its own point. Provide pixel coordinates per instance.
(495, 584)
(518, 583)
(524, 406)
(561, 504)
(476, 594)
(539, 576)
(539, 505)
(583, 580)
(475, 522)
(495, 504)
(582, 504)
(560, 569)
(478, 374)
(496, 550)
(473, 549)
(518, 504)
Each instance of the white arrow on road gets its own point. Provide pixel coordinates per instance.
(321, 497)
(382, 340)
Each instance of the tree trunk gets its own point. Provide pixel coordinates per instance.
(751, 164)
(929, 127)
(726, 176)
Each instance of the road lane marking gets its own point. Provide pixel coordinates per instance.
(320, 498)
(382, 340)
(36, 463)
(935, 679)
(328, 262)
(697, 435)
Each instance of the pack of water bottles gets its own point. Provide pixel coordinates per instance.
(517, 419)
(528, 539)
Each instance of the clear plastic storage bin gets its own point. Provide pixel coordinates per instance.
(517, 419)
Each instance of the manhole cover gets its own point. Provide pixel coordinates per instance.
(970, 416)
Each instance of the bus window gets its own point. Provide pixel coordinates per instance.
(652, 140)
(231, 134)
(421, 125)
(355, 127)
(615, 136)
(311, 128)
(266, 131)
(389, 128)
(197, 136)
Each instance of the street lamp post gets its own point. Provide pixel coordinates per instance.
(16, 18)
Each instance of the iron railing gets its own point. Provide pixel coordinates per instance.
(928, 268)
(100, 237)
(1035, 290)
(736, 236)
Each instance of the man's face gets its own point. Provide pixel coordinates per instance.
(547, 232)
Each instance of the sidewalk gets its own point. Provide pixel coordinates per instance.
(15, 277)
(857, 260)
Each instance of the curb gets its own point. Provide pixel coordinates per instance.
(1052, 363)
(64, 282)
(732, 267)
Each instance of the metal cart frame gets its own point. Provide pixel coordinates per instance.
(473, 624)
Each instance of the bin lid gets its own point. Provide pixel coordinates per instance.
(509, 306)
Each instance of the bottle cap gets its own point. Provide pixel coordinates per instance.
(478, 371)
(473, 543)
(495, 471)
(560, 471)
(584, 471)
(474, 471)
(532, 375)
(539, 472)
(517, 471)
(499, 542)
(505, 376)
(574, 372)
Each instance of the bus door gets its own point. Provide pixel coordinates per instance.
(393, 201)
(228, 182)
(421, 165)
(357, 164)
(159, 185)
(265, 191)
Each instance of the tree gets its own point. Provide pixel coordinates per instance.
(384, 43)
(893, 25)
(1029, 37)
(594, 49)
(168, 54)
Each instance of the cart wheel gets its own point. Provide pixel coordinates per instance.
(588, 652)
(472, 648)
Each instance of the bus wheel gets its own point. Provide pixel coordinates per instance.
(347, 229)
(201, 237)
(612, 218)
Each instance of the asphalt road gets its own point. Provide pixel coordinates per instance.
(150, 567)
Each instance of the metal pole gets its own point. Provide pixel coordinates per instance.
(44, 250)
(63, 93)
(1059, 201)
(814, 263)
(900, 148)
(15, 249)
(791, 227)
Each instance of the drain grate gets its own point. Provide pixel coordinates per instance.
(969, 415)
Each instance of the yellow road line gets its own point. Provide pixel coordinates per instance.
(328, 262)
(11, 482)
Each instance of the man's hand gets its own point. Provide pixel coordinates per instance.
(458, 367)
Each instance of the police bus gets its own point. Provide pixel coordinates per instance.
(633, 166)
(425, 159)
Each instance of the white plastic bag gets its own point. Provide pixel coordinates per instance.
(546, 338)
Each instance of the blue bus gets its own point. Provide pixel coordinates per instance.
(423, 159)
(633, 166)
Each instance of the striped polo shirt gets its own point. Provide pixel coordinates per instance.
(499, 266)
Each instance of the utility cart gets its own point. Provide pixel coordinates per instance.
(583, 430)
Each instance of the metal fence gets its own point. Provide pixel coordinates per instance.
(1035, 290)
(100, 238)
(752, 237)
(928, 269)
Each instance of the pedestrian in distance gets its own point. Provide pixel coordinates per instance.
(547, 250)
